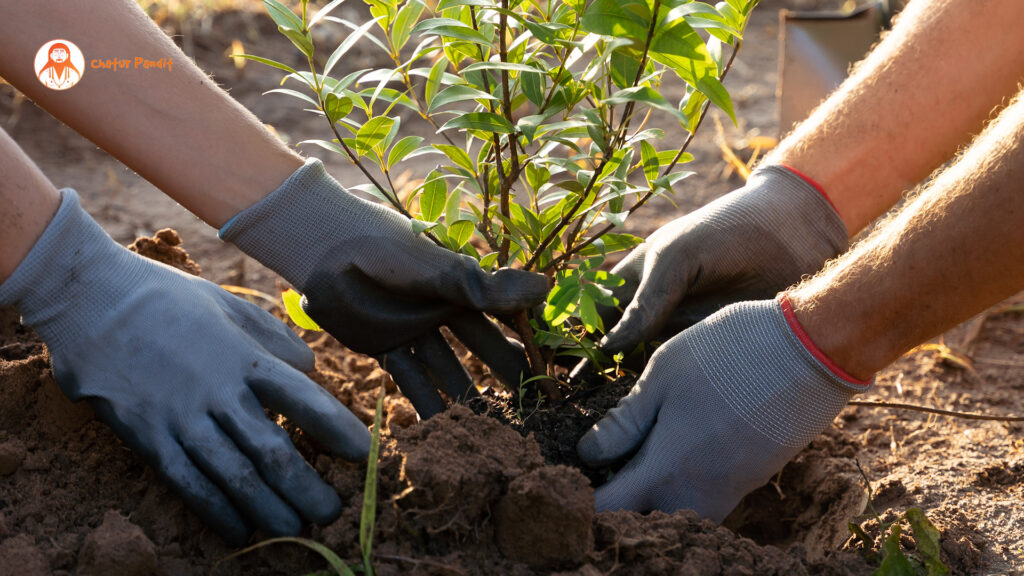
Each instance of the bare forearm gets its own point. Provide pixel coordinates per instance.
(921, 93)
(174, 126)
(957, 249)
(28, 202)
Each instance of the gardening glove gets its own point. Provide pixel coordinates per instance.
(182, 370)
(381, 289)
(719, 410)
(746, 245)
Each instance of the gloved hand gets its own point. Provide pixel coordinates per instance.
(746, 245)
(719, 410)
(181, 370)
(383, 290)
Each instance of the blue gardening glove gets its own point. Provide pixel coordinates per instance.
(182, 370)
(383, 290)
(747, 245)
(719, 410)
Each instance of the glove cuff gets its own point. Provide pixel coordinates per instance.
(777, 385)
(856, 384)
(799, 213)
(284, 227)
(72, 278)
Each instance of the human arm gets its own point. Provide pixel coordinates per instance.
(920, 94)
(180, 131)
(179, 368)
(725, 404)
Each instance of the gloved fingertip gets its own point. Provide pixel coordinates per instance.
(589, 448)
(580, 372)
(509, 290)
(329, 508)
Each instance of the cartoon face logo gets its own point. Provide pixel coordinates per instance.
(59, 64)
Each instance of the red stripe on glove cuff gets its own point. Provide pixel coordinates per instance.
(805, 339)
(813, 183)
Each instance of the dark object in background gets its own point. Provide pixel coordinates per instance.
(817, 49)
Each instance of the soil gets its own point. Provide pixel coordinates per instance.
(495, 488)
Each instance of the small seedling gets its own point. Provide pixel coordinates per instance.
(893, 561)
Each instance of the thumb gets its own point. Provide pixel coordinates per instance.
(624, 428)
(660, 291)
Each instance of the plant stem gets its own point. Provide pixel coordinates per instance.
(537, 365)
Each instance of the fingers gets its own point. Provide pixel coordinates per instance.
(220, 460)
(625, 491)
(286, 390)
(277, 460)
(624, 428)
(660, 290)
(463, 282)
(269, 332)
(448, 373)
(506, 358)
(163, 452)
(413, 381)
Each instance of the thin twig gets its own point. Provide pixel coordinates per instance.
(939, 411)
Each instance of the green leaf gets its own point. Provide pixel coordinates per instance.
(404, 22)
(419, 226)
(458, 93)
(266, 61)
(620, 18)
(669, 180)
(679, 47)
(451, 28)
(295, 94)
(326, 145)
(458, 156)
(302, 40)
(434, 80)
(345, 46)
(562, 301)
(339, 566)
(368, 514)
(610, 243)
(293, 306)
(445, 4)
(403, 148)
(460, 232)
(282, 16)
(337, 107)
(506, 66)
(713, 89)
(861, 535)
(432, 199)
(451, 205)
(533, 88)
(894, 562)
(488, 262)
(323, 12)
(373, 133)
(649, 156)
(646, 95)
(588, 309)
(486, 121)
(927, 537)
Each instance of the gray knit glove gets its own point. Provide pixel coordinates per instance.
(719, 410)
(747, 245)
(181, 370)
(381, 289)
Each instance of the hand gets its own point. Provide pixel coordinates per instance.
(719, 410)
(181, 370)
(747, 245)
(383, 290)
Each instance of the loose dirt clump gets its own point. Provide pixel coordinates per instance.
(165, 246)
(117, 547)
